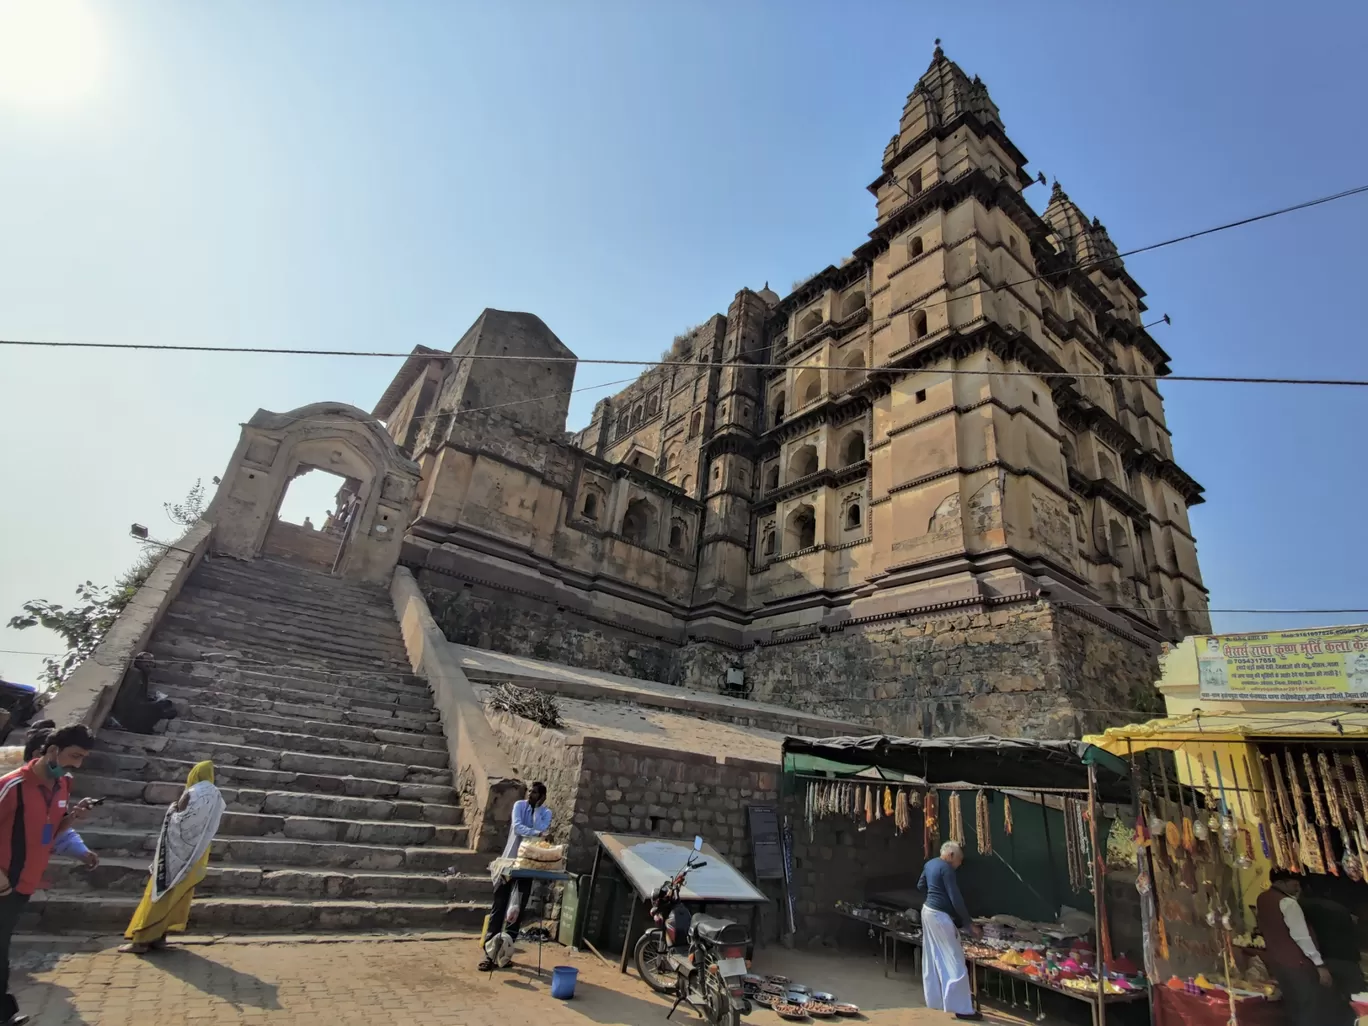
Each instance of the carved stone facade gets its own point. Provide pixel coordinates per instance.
(912, 492)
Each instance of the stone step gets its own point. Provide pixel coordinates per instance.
(327, 607)
(301, 690)
(225, 572)
(304, 709)
(147, 819)
(205, 713)
(284, 645)
(226, 754)
(200, 652)
(160, 793)
(294, 741)
(290, 851)
(236, 665)
(153, 769)
(124, 875)
(104, 912)
(350, 628)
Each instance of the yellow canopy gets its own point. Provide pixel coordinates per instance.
(1300, 723)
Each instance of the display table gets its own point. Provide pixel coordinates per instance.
(1179, 1008)
(983, 966)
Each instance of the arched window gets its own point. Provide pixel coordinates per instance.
(808, 385)
(590, 509)
(853, 518)
(695, 423)
(853, 449)
(772, 478)
(769, 543)
(919, 324)
(638, 415)
(916, 247)
(653, 406)
(855, 367)
(779, 398)
(1011, 243)
(853, 304)
(638, 523)
(803, 462)
(809, 322)
(664, 464)
(717, 472)
(802, 529)
(678, 532)
(687, 484)
(1107, 466)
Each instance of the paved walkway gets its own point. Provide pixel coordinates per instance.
(415, 983)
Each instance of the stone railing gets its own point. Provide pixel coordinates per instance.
(484, 776)
(88, 694)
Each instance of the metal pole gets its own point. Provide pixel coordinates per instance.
(1099, 876)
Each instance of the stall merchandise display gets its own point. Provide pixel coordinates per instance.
(793, 1001)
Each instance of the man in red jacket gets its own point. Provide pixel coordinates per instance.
(34, 809)
(1294, 959)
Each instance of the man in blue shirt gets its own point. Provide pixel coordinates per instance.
(531, 818)
(945, 975)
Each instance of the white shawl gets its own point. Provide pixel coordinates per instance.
(186, 836)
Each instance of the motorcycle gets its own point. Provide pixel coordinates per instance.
(701, 960)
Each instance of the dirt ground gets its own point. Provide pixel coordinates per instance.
(324, 982)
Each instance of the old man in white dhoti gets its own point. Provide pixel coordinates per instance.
(945, 976)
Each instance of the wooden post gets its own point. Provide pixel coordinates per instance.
(1099, 898)
(586, 901)
(627, 943)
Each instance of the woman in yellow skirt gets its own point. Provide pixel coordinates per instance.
(181, 862)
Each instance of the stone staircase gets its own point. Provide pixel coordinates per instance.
(341, 812)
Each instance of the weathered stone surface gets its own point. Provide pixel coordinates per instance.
(339, 807)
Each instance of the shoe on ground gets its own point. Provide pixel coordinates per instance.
(969, 1016)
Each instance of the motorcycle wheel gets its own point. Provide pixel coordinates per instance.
(652, 959)
(723, 1014)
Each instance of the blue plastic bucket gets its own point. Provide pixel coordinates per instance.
(563, 979)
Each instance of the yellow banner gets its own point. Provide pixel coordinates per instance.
(1324, 664)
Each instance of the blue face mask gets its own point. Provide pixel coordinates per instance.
(57, 771)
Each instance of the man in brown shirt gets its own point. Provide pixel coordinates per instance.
(1309, 997)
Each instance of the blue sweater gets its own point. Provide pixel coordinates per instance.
(942, 891)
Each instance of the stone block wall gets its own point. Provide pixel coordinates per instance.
(1032, 670)
(551, 756)
(639, 790)
(521, 625)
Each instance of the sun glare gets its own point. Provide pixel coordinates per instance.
(51, 52)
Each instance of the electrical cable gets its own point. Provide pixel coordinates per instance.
(1083, 265)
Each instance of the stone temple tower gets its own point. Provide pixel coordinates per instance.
(932, 488)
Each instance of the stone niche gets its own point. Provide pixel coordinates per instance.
(277, 447)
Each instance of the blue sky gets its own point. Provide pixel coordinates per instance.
(358, 175)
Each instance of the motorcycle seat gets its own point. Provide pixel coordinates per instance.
(710, 928)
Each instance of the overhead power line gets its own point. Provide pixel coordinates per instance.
(1087, 265)
(702, 364)
(696, 364)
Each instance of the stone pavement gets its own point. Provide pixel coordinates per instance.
(415, 982)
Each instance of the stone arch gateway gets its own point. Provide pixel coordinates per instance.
(274, 448)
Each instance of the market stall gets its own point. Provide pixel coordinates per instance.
(1223, 801)
(1033, 818)
(635, 869)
